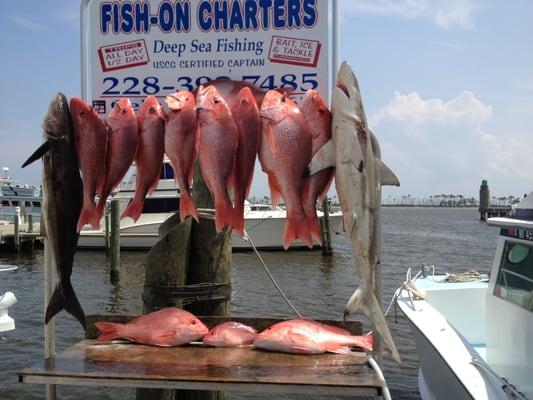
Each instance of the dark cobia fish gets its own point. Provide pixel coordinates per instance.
(63, 197)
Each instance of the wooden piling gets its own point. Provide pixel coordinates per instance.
(324, 225)
(16, 233)
(115, 242)
(187, 254)
(107, 223)
(30, 223)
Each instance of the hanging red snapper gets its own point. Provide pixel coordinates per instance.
(246, 115)
(305, 336)
(316, 186)
(122, 147)
(91, 143)
(216, 144)
(180, 133)
(166, 327)
(284, 153)
(151, 120)
(229, 90)
(230, 334)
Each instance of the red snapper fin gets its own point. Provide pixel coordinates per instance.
(337, 349)
(188, 208)
(109, 331)
(88, 215)
(296, 227)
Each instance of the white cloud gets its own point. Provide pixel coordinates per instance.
(69, 12)
(438, 146)
(412, 109)
(26, 23)
(445, 14)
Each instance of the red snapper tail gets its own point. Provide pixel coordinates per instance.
(224, 214)
(296, 227)
(89, 215)
(109, 331)
(134, 209)
(188, 208)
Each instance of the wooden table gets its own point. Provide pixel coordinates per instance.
(91, 363)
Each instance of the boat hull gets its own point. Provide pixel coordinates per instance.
(446, 358)
(266, 231)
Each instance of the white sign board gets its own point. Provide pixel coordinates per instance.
(138, 48)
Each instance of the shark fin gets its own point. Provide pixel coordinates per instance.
(386, 175)
(38, 153)
(323, 158)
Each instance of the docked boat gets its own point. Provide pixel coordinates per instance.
(14, 194)
(474, 333)
(264, 224)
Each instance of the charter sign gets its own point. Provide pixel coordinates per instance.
(149, 47)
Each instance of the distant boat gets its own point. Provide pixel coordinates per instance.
(14, 194)
(264, 224)
(474, 338)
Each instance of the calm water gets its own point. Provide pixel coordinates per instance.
(453, 240)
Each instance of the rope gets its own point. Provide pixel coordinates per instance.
(467, 276)
(249, 240)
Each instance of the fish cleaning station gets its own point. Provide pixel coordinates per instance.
(212, 85)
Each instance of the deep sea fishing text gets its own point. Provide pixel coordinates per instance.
(209, 15)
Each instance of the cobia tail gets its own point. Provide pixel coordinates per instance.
(358, 176)
(62, 188)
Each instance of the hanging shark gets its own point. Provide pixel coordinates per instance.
(359, 175)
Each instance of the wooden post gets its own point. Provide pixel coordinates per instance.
(107, 223)
(210, 261)
(16, 233)
(30, 223)
(187, 253)
(326, 233)
(115, 242)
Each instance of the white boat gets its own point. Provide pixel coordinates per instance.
(14, 194)
(264, 224)
(6, 300)
(475, 338)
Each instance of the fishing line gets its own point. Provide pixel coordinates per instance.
(249, 240)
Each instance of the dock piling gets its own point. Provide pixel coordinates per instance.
(325, 228)
(30, 223)
(107, 223)
(115, 242)
(16, 234)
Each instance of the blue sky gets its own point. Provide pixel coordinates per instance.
(447, 86)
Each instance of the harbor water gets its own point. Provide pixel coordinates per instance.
(452, 239)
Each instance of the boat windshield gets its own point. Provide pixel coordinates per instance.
(515, 278)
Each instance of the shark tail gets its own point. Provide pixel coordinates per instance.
(64, 298)
(366, 301)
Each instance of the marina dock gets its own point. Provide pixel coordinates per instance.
(25, 239)
(196, 367)
(489, 212)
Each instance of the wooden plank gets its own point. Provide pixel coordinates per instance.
(198, 367)
(260, 324)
